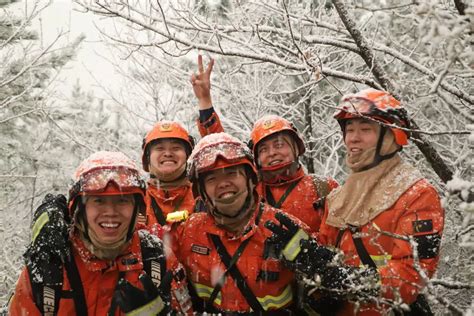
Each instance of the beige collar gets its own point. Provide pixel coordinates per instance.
(366, 194)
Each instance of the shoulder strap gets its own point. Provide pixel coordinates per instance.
(340, 233)
(234, 272)
(76, 285)
(361, 250)
(46, 297)
(160, 217)
(154, 260)
(271, 200)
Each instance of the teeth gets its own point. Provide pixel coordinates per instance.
(275, 162)
(226, 195)
(109, 225)
(167, 162)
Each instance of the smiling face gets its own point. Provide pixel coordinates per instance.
(226, 183)
(109, 216)
(275, 150)
(360, 135)
(167, 156)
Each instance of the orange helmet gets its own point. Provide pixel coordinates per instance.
(161, 130)
(106, 173)
(219, 150)
(272, 124)
(378, 105)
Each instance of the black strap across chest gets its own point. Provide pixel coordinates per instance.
(76, 286)
(160, 217)
(271, 200)
(364, 255)
(232, 269)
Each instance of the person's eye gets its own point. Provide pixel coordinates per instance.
(262, 150)
(210, 179)
(98, 200)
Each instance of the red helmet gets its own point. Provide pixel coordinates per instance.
(272, 124)
(162, 130)
(378, 105)
(219, 150)
(95, 175)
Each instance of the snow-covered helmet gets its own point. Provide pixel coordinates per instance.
(378, 105)
(107, 173)
(219, 150)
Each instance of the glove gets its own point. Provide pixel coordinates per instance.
(149, 301)
(360, 282)
(49, 242)
(299, 252)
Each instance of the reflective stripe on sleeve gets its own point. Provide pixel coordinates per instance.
(39, 223)
(204, 291)
(381, 260)
(277, 302)
(292, 248)
(152, 308)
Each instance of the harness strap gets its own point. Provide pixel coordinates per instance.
(234, 271)
(230, 265)
(361, 250)
(113, 304)
(76, 285)
(271, 200)
(339, 237)
(160, 217)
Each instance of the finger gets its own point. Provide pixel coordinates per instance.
(209, 67)
(286, 221)
(200, 67)
(278, 230)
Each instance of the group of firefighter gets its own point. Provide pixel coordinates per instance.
(240, 228)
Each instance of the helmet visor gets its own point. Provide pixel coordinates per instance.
(208, 156)
(96, 181)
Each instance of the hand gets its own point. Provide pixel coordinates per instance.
(301, 253)
(202, 84)
(49, 241)
(149, 301)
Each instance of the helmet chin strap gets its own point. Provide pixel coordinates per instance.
(269, 174)
(378, 158)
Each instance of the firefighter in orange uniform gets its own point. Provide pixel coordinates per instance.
(276, 146)
(107, 264)
(386, 217)
(226, 251)
(169, 196)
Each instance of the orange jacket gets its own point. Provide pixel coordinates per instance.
(99, 279)
(416, 213)
(301, 198)
(169, 200)
(210, 126)
(299, 202)
(268, 279)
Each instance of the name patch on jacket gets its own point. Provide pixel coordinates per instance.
(202, 250)
(422, 226)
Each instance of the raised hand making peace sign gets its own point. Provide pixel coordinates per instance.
(201, 82)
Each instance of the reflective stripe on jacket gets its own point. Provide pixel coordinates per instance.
(268, 279)
(99, 279)
(417, 213)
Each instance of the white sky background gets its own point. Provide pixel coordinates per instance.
(89, 64)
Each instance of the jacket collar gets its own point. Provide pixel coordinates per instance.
(130, 259)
